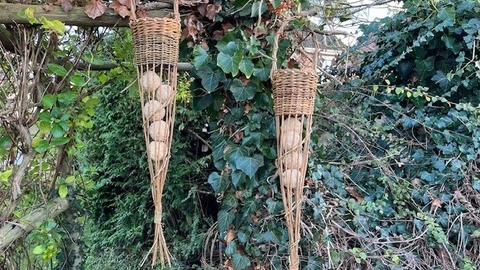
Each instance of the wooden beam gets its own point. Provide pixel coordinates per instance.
(76, 16)
(15, 230)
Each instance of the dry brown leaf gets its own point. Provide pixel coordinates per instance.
(202, 9)
(217, 35)
(212, 11)
(204, 45)
(352, 191)
(47, 7)
(114, 5)
(437, 202)
(66, 5)
(141, 12)
(123, 11)
(126, 3)
(230, 235)
(119, 9)
(95, 8)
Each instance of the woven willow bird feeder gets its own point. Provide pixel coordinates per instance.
(156, 50)
(294, 97)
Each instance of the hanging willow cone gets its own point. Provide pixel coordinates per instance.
(294, 98)
(156, 49)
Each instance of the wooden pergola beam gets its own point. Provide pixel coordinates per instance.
(12, 231)
(76, 16)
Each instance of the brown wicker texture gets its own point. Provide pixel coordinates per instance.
(156, 48)
(294, 91)
(156, 39)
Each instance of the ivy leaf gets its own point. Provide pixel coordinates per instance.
(231, 248)
(238, 177)
(441, 79)
(262, 73)
(57, 69)
(200, 57)
(258, 8)
(246, 66)
(240, 262)
(275, 3)
(228, 45)
(218, 182)
(249, 165)
(210, 78)
(447, 13)
(243, 92)
(249, 206)
(62, 191)
(95, 8)
(202, 102)
(229, 63)
(269, 236)
(424, 67)
(225, 218)
(476, 184)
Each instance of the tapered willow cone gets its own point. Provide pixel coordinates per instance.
(294, 97)
(156, 45)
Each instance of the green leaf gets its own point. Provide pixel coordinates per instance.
(441, 79)
(229, 63)
(246, 66)
(57, 130)
(243, 92)
(202, 102)
(60, 141)
(258, 8)
(240, 262)
(269, 236)
(275, 3)
(210, 78)
(225, 218)
(67, 98)
(48, 101)
(44, 127)
(249, 165)
(217, 182)
(70, 179)
(228, 45)
(77, 80)
(263, 74)
(447, 13)
(62, 191)
(40, 145)
(200, 57)
(57, 69)
(5, 175)
(39, 249)
(92, 59)
(238, 177)
(231, 248)
(425, 67)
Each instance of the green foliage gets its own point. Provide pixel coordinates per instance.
(114, 157)
(232, 84)
(404, 155)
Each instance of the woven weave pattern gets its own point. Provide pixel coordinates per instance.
(294, 91)
(156, 38)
